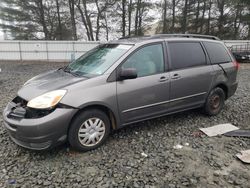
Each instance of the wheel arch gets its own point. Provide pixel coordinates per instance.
(224, 87)
(114, 121)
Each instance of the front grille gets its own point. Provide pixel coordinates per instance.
(18, 109)
(19, 101)
(37, 113)
(16, 115)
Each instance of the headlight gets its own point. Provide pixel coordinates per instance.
(47, 100)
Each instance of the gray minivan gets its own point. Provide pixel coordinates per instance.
(119, 83)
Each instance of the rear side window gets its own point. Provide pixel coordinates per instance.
(186, 54)
(217, 52)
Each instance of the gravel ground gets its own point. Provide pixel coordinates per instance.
(140, 155)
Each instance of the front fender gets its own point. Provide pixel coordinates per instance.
(88, 94)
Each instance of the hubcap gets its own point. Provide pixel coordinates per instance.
(91, 132)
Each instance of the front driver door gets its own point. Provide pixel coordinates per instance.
(148, 94)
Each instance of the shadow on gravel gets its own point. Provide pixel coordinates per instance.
(160, 122)
(44, 154)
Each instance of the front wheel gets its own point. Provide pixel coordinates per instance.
(89, 130)
(215, 101)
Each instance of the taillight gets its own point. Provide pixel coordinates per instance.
(236, 65)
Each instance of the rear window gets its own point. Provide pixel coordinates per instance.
(186, 54)
(217, 52)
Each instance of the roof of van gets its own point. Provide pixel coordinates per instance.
(196, 37)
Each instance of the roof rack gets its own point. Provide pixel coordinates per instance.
(184, 35)
(131, 37)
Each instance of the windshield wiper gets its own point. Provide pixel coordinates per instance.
(74, 73)
(61, 68)
(68, 70)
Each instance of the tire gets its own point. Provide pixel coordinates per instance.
(215, 102)
(89, 130)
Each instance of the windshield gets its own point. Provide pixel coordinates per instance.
(97, 61)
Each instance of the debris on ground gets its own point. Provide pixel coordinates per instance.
(144, 154)
(11, 181)
(244, 156)
(186, 144)
(238, 133)
(178, 146)
(197, 133)
(219, 129)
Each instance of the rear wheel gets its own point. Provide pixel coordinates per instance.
(89, 130)
(215, 102)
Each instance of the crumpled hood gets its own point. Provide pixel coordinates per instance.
(49, 81)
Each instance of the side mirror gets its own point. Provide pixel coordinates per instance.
(129, 73)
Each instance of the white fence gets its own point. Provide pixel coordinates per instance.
(57, 50)
(43, 50)
(230, 43)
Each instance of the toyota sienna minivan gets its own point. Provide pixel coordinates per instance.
(119, 83)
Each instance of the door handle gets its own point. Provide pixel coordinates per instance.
(163, 79)
(176, 76)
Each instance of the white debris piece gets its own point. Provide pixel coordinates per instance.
(144, 154)
(186, 144)
(178, 146)
(219, 129)
(244, 156)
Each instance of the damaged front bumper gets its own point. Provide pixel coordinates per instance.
(37, 132)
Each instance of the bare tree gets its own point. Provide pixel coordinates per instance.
(40, 6)
(237, 19)
(59, 20)
(173, 15)
(78, 5)
(130, 6)
(197, 14)
(87, 16)
(164, 28)
(221, 7)
(72, 16)
(98, 17)
(184, 16)
(138, 6)
(140, 11)
(106, 26)
(209, 17)
(123, 18)
(203, 15)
